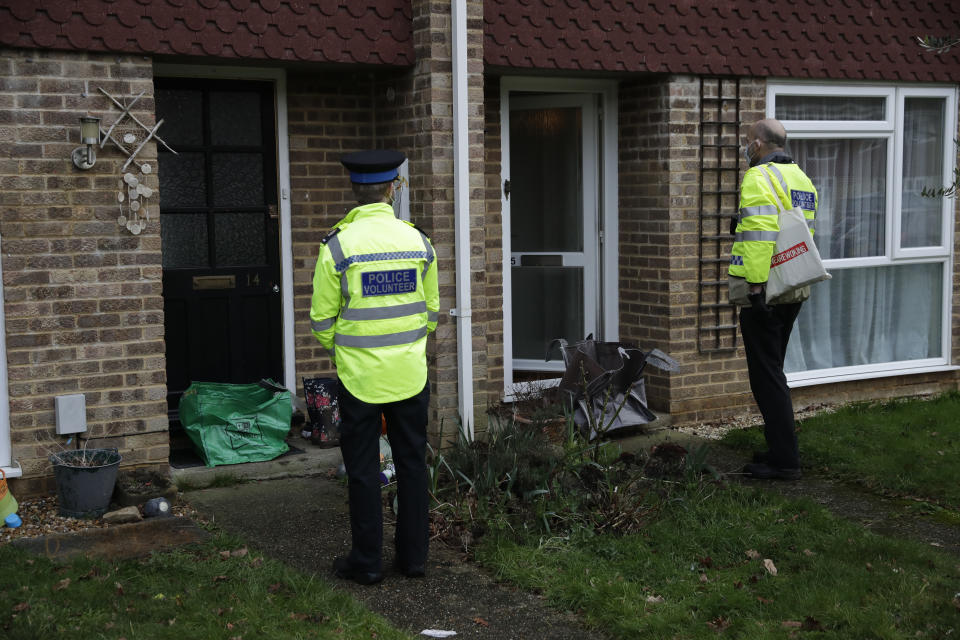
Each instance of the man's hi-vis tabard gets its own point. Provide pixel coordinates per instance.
(758, 221)
(375, 295)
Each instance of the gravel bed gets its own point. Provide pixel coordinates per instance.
(718, 429)
(40, 517)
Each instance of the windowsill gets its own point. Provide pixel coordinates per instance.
(868, 375)
(12, 472)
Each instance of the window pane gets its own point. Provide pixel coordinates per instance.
(183, 240)
(869, 316)
(239, 239)
(235, 118)
(830, 108)
(545, 163)
(851, 180)
(547, 304)
(182, 180)
(923, 139)
(237, 180)
(181, 111)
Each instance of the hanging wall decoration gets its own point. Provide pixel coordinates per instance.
(130, 135)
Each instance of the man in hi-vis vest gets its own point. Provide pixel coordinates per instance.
(375, 299)
(766, 328)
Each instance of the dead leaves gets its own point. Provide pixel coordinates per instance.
(317, 618)
(769, 566)
(236, 553)
(719, 624)
(809, 624)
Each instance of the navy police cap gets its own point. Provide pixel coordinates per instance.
(372, 167)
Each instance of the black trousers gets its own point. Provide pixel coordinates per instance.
(765, 340)
(360, 444)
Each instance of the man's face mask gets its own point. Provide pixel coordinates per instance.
(397, 191)
(746, 153)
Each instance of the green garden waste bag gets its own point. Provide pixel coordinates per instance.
(232, 423)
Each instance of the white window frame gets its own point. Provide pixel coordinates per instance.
(890, 128)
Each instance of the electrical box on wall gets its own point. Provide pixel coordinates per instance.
(71, 413)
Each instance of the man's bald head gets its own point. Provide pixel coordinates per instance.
(765, 137)
(770, 132)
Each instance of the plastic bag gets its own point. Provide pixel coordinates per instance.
(323, 408)
(8, 504)
(796, 260)
(233, 423)
(604, 384)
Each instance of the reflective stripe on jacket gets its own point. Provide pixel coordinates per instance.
(756, 232)
(375, 299)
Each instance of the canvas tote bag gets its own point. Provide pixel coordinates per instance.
(796, 261)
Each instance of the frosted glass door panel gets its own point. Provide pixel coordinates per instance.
(546, 168)
(547, 301)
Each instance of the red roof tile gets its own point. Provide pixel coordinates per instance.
(863, 39)
(802, 39)
(362, 31)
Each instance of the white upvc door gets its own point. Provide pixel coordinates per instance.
(559, 199)
(553, 224)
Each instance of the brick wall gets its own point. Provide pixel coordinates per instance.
(658, 224)
(329, 114)
(493, 248)
(82, 296)
(432, 195)
(710, 384)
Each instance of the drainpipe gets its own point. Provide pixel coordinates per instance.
(461, 190)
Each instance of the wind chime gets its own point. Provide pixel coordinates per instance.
(130, 138)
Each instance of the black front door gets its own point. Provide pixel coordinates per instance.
(219, 230)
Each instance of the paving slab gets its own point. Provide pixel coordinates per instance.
(305, 523)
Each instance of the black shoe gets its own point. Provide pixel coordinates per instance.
(411, 570)
(345, 571)
(401, 566)
(763, 471)
(761, 457)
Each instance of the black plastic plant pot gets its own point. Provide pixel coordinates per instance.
(85, 481)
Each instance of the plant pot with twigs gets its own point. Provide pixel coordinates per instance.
(85, 480)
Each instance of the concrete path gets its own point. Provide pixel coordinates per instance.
(304, 522)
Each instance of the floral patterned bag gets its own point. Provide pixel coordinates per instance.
(323, 409)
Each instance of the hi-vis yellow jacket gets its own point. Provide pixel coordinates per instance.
(375, 299)
(756, 233)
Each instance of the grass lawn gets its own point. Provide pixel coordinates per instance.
(705, 568)
(210, 591)
(909, 447)
(721, 559)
